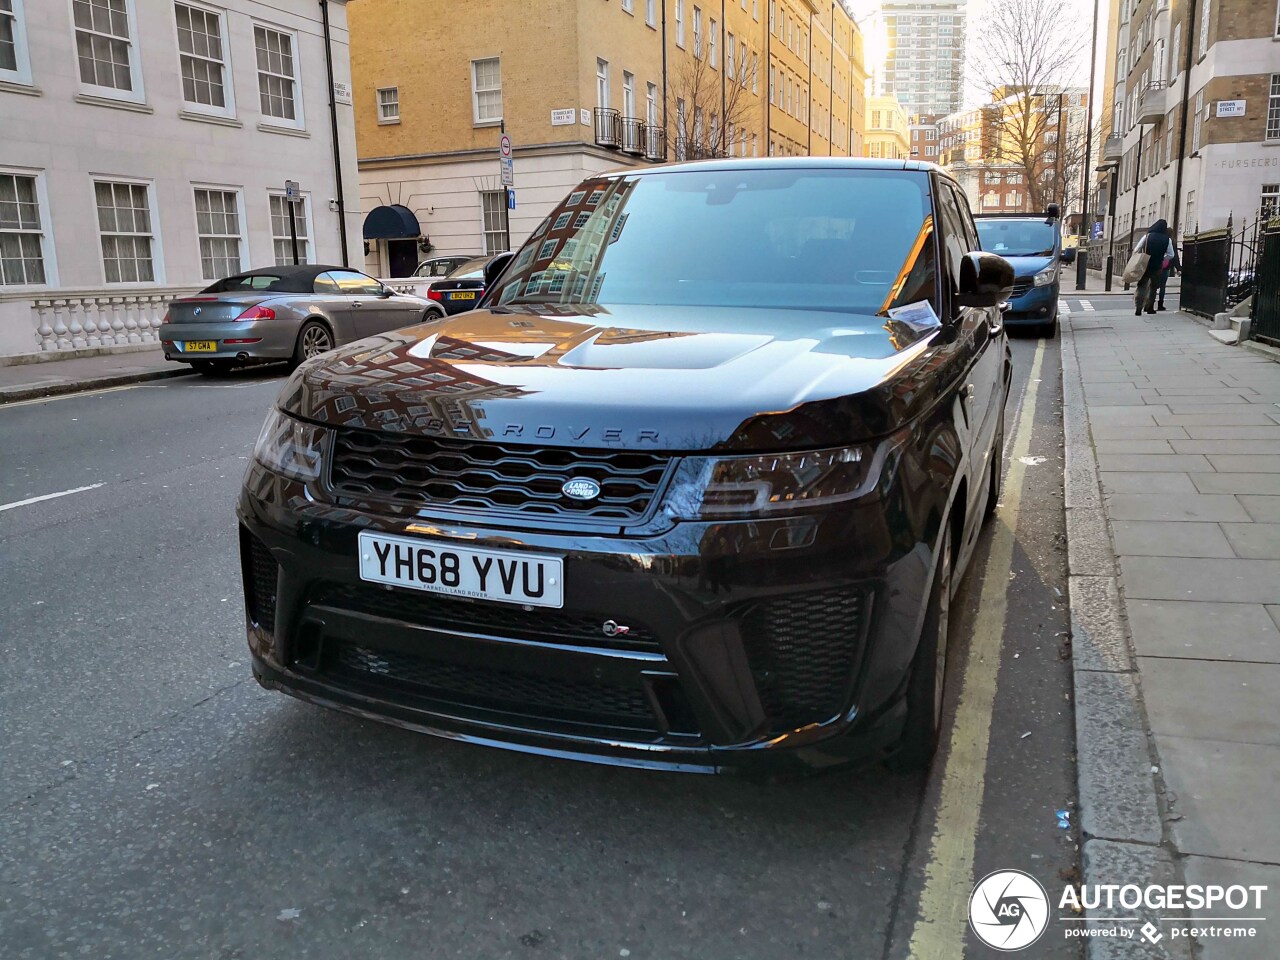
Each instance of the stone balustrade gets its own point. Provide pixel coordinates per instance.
(73, 320)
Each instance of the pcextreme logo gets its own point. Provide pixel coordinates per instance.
(1009, 911)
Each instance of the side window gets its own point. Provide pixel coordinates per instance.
(325, 284)
(354, 284)
(966, 217)
(954, 240)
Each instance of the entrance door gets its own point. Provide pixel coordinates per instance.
(403, 257)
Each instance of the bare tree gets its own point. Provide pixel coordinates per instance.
(1022, 60)
(713, 102)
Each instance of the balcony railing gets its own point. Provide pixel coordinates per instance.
(632, 130)
(655, 143)
(608, 127)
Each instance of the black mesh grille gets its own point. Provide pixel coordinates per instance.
(803, 650)
(493, 476)
(504, 691)
(1021, 285)
(494, 619)
(261, 577)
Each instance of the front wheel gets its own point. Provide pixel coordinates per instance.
(927, 682)
(313, 339)
(995, 483)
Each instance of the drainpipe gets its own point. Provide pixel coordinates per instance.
(768, 65)
(333, 121)
(808, 94)
(1182, 124)
(665, 129)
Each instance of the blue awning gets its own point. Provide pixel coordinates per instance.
(393, 222)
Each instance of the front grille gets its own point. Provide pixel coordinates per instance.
(261, 575)
(803, 650)
(491, 619)
(502, 691)
(1021, 286)
(464, 474)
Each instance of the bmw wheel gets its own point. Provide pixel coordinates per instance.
(313, 339)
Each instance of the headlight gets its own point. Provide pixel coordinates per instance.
(290, 447)
(772, 483)
(1045, 277)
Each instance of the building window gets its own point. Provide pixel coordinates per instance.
(755, 73)
(602, 82)
(581, 220)
(277, 75)
(1195, 136)
(729, 44)
(651, 103)
(218, 227)
(282, 242)
(124, 224)
(680, 24)
(1273, 109)
(1270, 205)
(628, 94)
(14, 65)
(651, 12)
(105, 46)
(713, 34)
(202, 58)
(389, 105)
(628, 6)
(1204, 26)
(21, 239)
(493, 207)
(486, 90)
(697, 31)
(1012, 198)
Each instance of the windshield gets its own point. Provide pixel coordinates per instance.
(1017, 238)
(471, 270)
(823, 239)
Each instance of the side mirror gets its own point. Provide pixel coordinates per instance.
(493, 269)
(985, 280)
(384, 291)
(1069, 256)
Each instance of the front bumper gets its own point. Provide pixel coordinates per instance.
(1037, 305)
(744, 652)
(233, 339)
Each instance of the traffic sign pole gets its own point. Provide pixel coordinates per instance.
(508, 178)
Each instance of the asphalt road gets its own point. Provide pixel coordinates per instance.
(157, 803)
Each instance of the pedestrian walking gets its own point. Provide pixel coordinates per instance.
(1173, 265)
(1158, 248)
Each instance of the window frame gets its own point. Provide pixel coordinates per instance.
(137, 93)
(651, 13)
(1271, 129)
(299, 121)
(242, 238)
(680, 24)
(379, 104)
(228, 86)
(476, 119)
(308, 242)
(48, 249)
(21, 72)
(157, 240)
(499, 232)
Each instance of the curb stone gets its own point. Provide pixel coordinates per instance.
(1122, 833)
(37, 391)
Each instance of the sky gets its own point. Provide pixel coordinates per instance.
(1083, 10)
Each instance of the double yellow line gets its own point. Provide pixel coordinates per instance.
(939, 929)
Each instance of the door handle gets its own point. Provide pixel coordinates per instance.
(356, 303)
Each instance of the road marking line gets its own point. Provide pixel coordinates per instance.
(70, 396)
(1087, 304)
(939, 929)
(47, 496)
(1064, 307)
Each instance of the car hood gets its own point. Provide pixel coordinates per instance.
(633, 377)
(1028, 266)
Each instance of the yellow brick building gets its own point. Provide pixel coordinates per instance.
(580, 86)
(888, 130)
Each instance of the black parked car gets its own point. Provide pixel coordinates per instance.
(461, 290)
(692, 489)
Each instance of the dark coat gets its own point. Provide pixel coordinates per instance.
(1157, 243)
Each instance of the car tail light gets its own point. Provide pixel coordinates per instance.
(258, 313)
(434, 294)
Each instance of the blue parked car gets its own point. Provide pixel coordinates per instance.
(1033, 244)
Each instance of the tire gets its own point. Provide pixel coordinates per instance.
(927, 681)
(995, 482)
(314, 339)
(431, 315)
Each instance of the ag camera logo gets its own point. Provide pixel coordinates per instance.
(1008, 910)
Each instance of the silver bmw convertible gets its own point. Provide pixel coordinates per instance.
(281, 313)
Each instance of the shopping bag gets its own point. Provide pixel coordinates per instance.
(1136, 267)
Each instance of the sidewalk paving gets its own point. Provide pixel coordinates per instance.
(26, 381)
(1179, 436)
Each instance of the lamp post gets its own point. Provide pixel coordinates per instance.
(1113, 175)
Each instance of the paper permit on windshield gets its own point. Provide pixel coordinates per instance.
(918, 315)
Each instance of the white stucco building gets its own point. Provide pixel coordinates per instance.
(144, 149)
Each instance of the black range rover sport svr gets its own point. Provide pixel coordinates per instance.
(691, 488)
